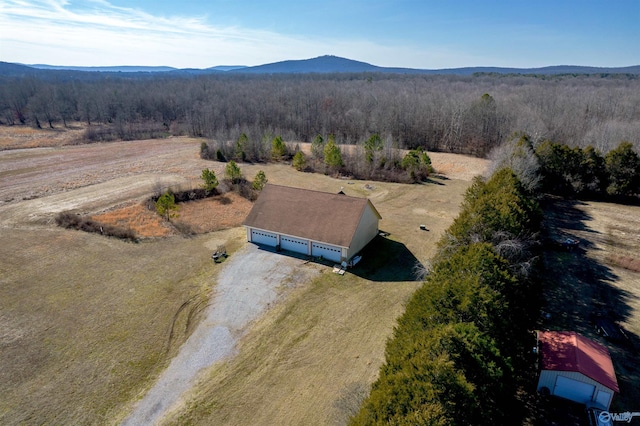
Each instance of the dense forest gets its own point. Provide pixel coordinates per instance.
(463, 114)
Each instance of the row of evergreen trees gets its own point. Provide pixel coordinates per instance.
(461, 349)
(375, 158)
(587, 173)
(558, 169)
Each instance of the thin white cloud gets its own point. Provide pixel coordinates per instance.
(98, 33)
(95, 32)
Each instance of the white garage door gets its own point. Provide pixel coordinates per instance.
(294, 244)
(266, 238)
(603, 399)
(573, 390)
(327, 252)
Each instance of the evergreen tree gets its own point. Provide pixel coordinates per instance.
(241, 148)
(623, 168)
(233, 172)
(210, 180)
(278, 148)
(299, 161)
(259, 181)
(317, 148)
(166, 205)
(332, 155)
(371, 146)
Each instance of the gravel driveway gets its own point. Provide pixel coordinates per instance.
(250, 281)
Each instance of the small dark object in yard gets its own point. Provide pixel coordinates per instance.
(220, 254)
(353, 262)
(569, 243)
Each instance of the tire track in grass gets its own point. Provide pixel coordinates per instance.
(250, 281)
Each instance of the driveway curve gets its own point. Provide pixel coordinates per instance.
(251, 280)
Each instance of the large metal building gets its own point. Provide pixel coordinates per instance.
(320, 224)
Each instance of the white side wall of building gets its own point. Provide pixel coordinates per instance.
(366, 231)
(601, 395)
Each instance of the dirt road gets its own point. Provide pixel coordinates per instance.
(252, 279)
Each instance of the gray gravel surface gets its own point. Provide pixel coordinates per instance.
(250, 281)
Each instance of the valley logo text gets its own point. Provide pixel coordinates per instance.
(606, 416)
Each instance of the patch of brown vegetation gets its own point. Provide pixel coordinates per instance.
(142, 221)
(200, 216)
(626, 262)
(214, 214)
(456, 166)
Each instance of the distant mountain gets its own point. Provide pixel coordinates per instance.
(335, 64)
(17, 70)
(552, 70)
(321, 64)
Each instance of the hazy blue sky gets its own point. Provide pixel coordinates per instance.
(404, 33)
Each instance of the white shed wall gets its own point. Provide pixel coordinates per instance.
(548, 379)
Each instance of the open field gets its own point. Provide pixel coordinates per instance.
(18, 137)
(89, 322)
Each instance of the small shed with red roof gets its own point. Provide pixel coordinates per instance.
(576, 368)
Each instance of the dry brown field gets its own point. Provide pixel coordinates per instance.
(88, 322)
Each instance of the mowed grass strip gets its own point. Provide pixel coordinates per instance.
(87, 320)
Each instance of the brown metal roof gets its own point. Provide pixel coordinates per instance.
(570, 351)
(313, 215)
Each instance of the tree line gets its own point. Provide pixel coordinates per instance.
(470, 115)
(461, 350)
(584, 173)
(374, 159)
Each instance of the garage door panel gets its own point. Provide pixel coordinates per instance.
(266, 238)
(294, 244)
(603, 399)
(573, 390)
(326, 251)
